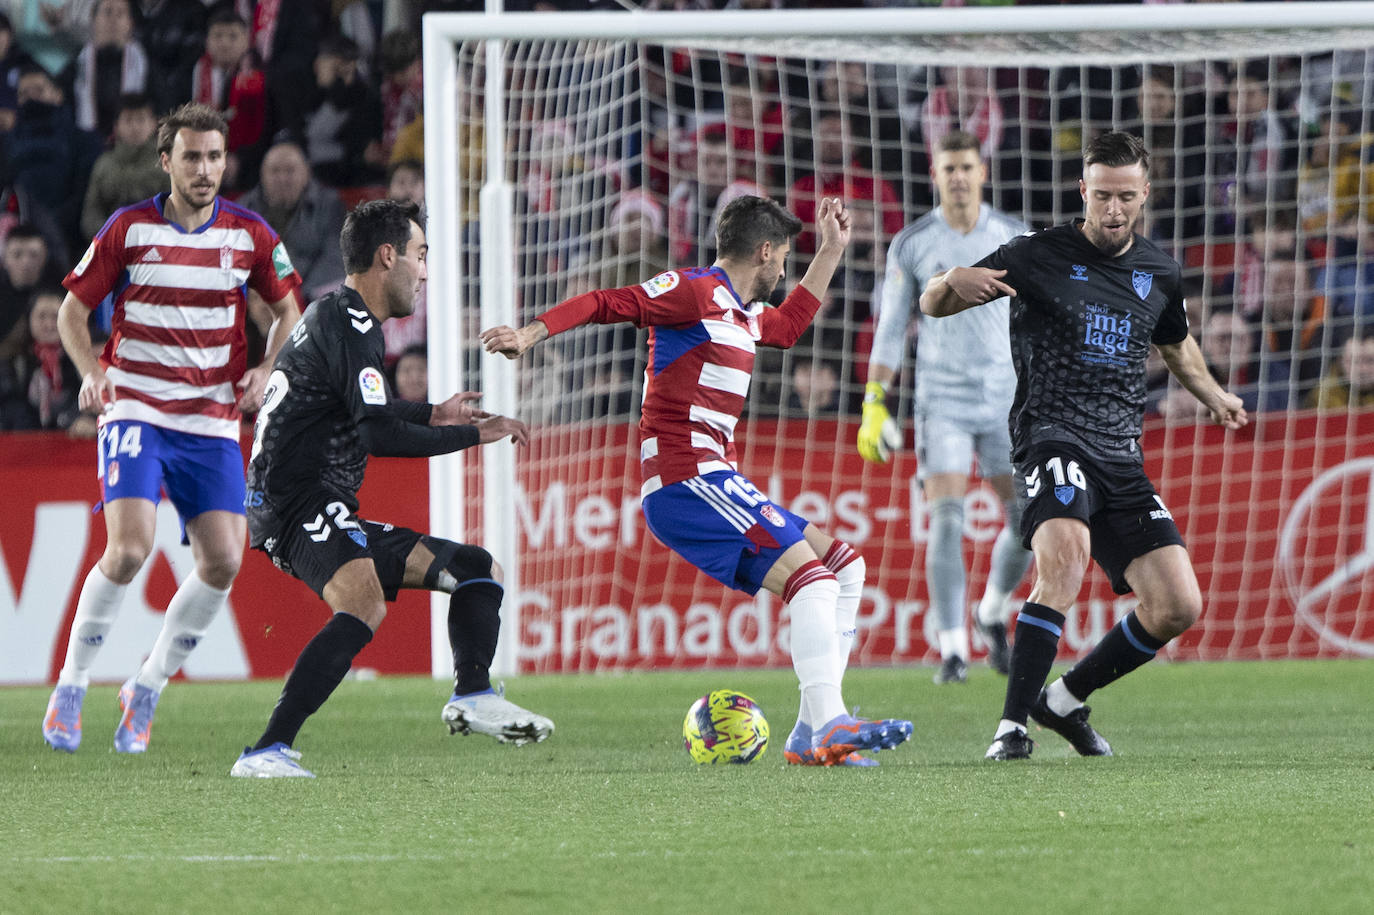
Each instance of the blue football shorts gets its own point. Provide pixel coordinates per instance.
(724, 526)
(199, 473)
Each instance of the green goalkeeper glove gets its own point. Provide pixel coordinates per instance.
(878, 433)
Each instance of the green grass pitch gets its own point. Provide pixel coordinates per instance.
(1243, 787)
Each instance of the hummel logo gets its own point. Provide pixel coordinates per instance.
(152, 257)
(361, 319)
(1080, 272)
(317, 529)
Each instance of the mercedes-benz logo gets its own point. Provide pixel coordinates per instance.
(1309, 599)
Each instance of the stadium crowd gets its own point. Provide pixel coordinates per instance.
(1262, 180)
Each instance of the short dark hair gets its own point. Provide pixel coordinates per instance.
(747, 222)
(191, 116)
(372, 224)
(135, 101)
(25, 230)
(224, 14)
(958, 141)
(1115, 149)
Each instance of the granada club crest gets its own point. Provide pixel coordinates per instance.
(112, 473)
(1142, 282)
(772, 514)
(226, 257)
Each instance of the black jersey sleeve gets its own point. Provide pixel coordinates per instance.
(1008, 257)
(413, 412)
(1172, 326)
(388, 435)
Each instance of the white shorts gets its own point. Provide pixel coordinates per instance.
(947, 445)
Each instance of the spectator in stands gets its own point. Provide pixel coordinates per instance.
(229, 78)
(1253, 153)
(285, 36)
(849, 87)
(1293, 332)
(352, 20)
(839, 174)
(340, 117)
(1350, 382)
(410, 375)
(405, 180)
(754, 121)
(46, 153)
(407, 184)
(1228, 342)
(693, 199)
(1176, 141)
(173, 34)
(636, 245)
(17, 208)
(130, 171)
(307, 215)
(26, 267)
(402, 85)
(1348, 278)
(13, 59)
(38, 383)
(1337, 170)
(815, 386)
(111, 64)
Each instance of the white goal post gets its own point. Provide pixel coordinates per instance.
(582, 71)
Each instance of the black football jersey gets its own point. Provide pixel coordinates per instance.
(327, 378)
(1081, 328)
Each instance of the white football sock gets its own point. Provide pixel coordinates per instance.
(188, 616)
(1059, 699)
(851, 582)
(96, 610)
(1006, 727)
(953, 642)
(812, 610)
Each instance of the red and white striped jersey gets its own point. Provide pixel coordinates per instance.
(701, 357)
(177, 346)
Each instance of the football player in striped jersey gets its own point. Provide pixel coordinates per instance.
(704, 324)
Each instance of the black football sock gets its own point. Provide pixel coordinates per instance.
(318, 671)
(1032, 655)
(1124, 648)
(474, 625)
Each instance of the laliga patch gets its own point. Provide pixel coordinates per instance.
(281, 261)
(373, 387)
(85, 261)
(664, 282)
(772, 514)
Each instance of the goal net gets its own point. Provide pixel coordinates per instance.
(568, 152)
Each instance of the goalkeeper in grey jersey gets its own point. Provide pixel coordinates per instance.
(964, 388)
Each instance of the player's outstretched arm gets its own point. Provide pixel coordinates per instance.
(458, 410)
(961, 288)
(1187, 364)
(495, 428)
(512, 343)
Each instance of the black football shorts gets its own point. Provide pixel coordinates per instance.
(1126, 518)
(323, 537)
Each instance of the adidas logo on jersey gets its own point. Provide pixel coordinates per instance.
(152, 257)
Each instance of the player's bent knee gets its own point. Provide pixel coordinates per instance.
(122, 560)
(455, 563)
(219, 571)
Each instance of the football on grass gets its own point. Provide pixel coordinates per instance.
(725, 726)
